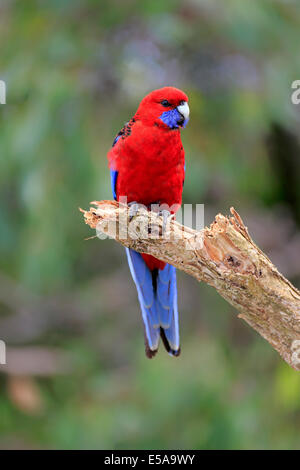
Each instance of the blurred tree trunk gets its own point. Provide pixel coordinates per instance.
(284, 151)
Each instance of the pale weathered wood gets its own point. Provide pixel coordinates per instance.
(225, 257)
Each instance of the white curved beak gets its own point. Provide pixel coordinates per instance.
(184, 110)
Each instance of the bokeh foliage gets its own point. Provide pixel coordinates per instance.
(75, 72)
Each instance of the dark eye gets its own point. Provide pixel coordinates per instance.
(165, 103)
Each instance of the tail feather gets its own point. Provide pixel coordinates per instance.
(166, 304)
(157, 293)
(143, 281)
(172, 352)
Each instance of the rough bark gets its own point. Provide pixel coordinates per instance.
(225, 257)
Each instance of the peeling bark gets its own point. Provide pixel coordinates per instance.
(225, 257)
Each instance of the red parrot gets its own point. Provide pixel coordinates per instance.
(147, 166)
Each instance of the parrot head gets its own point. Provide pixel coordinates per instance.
(166, 107)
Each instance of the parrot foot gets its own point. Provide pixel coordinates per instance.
(134, 208)
(167, 217)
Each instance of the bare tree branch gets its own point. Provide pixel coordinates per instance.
(225, 257)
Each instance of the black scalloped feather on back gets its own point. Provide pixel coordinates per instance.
(124, 132)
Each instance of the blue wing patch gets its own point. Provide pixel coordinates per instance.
(113, 181)
(116, 139)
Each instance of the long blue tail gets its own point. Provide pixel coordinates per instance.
(157, 293)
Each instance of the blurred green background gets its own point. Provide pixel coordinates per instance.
(75, 70)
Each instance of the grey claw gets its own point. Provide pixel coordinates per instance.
(167, 217)
(133, 209)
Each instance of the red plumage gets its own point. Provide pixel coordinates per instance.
(149, 157)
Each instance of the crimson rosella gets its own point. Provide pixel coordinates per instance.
(147, 167)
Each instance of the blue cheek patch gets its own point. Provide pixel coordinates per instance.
(171, 118)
